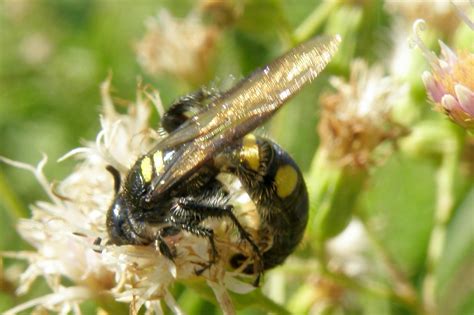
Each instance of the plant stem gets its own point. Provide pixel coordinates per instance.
(6, 286)
(373, 289)
(445, 178)
(10, 201)
(320, 266)
(285, 29)
(107, 303)
(403, 290)
(308, 27)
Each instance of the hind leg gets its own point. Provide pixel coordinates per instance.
(206, 208)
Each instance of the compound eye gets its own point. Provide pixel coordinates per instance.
(115, 220)
(117, 209)
(135, 185)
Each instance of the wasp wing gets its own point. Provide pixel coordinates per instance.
(241, 109)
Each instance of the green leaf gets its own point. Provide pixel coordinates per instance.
(399, 203)
(455, 277)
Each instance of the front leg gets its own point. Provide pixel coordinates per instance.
(193, 228)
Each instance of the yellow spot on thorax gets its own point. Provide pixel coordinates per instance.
(146, 169)
(249, 152)
(286, 179)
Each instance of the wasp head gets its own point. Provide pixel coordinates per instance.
(130, 219)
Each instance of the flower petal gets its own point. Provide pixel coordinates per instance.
(450, 103)
(448, 54)
(435, 90)
(235, 285)
(456, 112)
(466, 98)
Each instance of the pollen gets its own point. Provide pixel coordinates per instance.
(463, 69)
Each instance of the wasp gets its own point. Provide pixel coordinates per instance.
(175, 186)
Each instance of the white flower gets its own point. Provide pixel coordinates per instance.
(348, 250)
(64, 229)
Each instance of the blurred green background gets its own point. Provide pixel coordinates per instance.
(55, 53)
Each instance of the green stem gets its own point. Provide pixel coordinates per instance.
(378, 290)
(403, 291)
(333, 192)
(373, 289)
(6, 286)
(316, 18)
(106, 302)
(10, 201)
(306, 267)
(285, 29)
(445, 179)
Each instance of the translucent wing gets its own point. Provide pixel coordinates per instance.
(241, 109)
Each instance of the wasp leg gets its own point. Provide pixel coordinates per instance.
(161, 244)
(258, 265)
(198, 230)
(200, 209)
(258, 258)
(97, 247)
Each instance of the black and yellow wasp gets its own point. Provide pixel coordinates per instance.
(174, 187)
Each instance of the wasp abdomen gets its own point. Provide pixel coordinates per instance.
(275, 184)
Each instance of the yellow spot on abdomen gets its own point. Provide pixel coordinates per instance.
(250, 153)
(146, 169)
(286, 179)
(158, 160)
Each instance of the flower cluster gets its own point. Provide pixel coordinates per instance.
(450, 84)
(65, 230)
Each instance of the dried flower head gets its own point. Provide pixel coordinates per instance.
(64, 230)
(450, 84)
(439, 13)
(16, 10)
(356, 119)
(35, 49)
(179, 47)
(223, 12)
